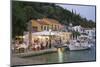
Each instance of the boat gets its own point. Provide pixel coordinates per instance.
(80, 44)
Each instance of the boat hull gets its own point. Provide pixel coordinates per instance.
(78, 48)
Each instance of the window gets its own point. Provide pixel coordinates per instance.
(35, 28)
(58, 27)
(44, 27)
(48, 27)
(55, 27)
(52, 27)
(41, 27)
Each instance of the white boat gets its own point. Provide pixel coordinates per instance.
(80, 44)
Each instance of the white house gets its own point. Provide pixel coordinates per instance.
(90, 32)
(78, 29)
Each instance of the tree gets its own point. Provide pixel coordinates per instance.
(18, 19)
(75, 34)
(22, 12)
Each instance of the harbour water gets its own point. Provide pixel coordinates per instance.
(65, 56)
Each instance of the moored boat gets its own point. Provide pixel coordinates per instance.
(73, 47)
(81, 44)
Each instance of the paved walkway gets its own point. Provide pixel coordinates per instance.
(34, 53)
(17, 59)
(22, 61)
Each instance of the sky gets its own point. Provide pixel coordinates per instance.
(85, 11)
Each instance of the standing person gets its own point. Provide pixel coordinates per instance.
(17, 45)
(47, 43)
(33, 46)
(59, 40)
(38, 41)
(36, 46)
(44, 44)
(41, 44)
(25, 46)
(53, 43)
(13, 47)
(22, 47)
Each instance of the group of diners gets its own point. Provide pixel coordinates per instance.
(38, 44)
(35, 45)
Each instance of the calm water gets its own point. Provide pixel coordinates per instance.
(66, 56)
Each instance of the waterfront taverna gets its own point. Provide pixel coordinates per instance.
(47, 29)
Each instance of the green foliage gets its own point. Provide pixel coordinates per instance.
(22, 12)
(76, 33)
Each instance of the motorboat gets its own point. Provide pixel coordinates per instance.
(79, 44)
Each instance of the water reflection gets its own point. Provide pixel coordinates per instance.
(64, 56)
(60, 54)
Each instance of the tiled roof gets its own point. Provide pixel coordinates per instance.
(42, 22)
(46, 21)
(51, 20)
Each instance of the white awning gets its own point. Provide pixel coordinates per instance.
(46, 33)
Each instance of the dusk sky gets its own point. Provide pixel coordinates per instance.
(85, 11)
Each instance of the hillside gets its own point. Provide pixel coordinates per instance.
(22, 12)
